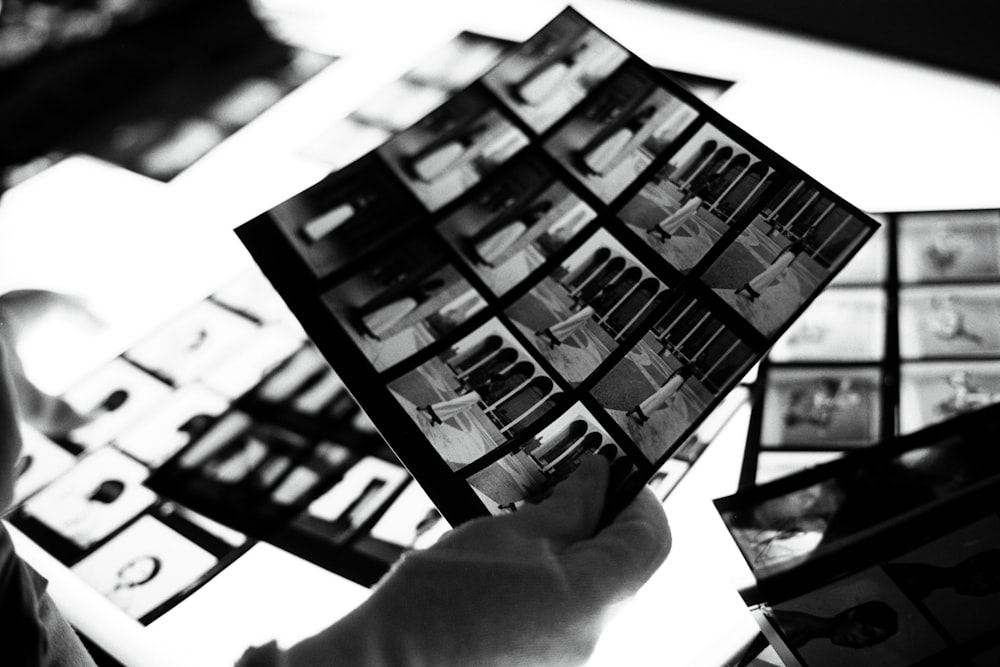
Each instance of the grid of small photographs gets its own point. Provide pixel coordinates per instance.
(917, 590)
(570, 255)
(906, 336)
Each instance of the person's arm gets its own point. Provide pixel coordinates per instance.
(530, 588)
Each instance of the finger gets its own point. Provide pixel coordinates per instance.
(10, 435)
(618, 560)
(573, 511)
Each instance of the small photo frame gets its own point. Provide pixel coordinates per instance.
(529, 473)
(956, 578)
(840, 325)
(679, 366)
(476, 395)
(452, 148)
(403, 300)
(822, 407)
(862, 620)
(183, 349)
(345, 215)
(959, 321)
(578, 314)
(800, 237)
(41, 461)
(99, 495)
(112, 398)
(933, 392)
(685, 208)
(144, 566)
(871, 265)
(305, 384)
(552, 72)
(411, 522)
(614, 135)
(510, 227)
(957, 245)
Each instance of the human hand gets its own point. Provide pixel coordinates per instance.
(10, 433)
(530, 588)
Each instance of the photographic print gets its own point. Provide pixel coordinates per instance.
(861, 620)
(452, 148)
(183, 349)
(253, 295)
(933, 392)
(144, 566)
(823, 406)
(840, 325)
(772, 465)
(871, 264)
(343, 142)
(665, 383)
(581, 311)
(951, 321)
(178, 420)
(412, 521)
(956, 578)
(403, 300)
(528, 474)
(236, 374)
(515, 223)
(111, 398)
(617, 132)
(686, 207)
(552, 72)
(99, 495)
(799, 238)
(346, 214)
(957, 245)
(364, 490)
(41, 461)
(307, 385)
(476, 395)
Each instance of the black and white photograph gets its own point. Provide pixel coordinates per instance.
(861, 620)
(581, 311)
(686, 207)
(530, 472)
(686, 359)
(364, 490)
(614, 135)
(169, 427)
(546, 76)
(97, 497)
(305, 384)
(40, 462)
(403, 300)
(452, 148)
(476, 395)
(412, 521)
(183, 349)
(144, 566)
(252, 294)
(949, 321)
(870, 266)
(822, 406)
(111, 398)
(346, 214)
(235, 374)
(775, 464)
(933, 392)
(956, 578)
(791, 247)
(840, 325)
(957, 245)
(522, 216)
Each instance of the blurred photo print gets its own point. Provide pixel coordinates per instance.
(456, 63)
(452, 148)
(618, 131)
(552, 72)
(840, 325)
(530, 472)
(306, 385)
(580, 312)
(403, 300)
(144, 566)
(686, 207)
(798, 239)
(933, 392)
(870, 265)
(510, 227)
(666, 382)
(822, 406)
(41, 461)
(957, 245)
(949, 321)
(411, 522)
(476, 395)
(775, 464)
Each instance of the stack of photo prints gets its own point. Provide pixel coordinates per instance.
(274, 447)
(572, 255)
(886, 558)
